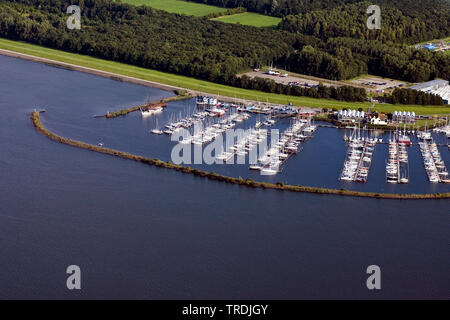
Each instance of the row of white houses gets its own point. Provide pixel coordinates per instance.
(404, 116)
(351, 114)
(397, 116)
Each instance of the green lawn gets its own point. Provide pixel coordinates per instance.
(199, 85)
(178, 6)
(251, 19)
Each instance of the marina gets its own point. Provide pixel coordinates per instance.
(116, 180)
(212, 227)
(254, 138)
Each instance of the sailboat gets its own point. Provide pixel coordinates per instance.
(404, 179)
(403, 138)
(157, 130)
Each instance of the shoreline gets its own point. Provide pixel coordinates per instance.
(96, 72)
(120, 77)
(317, 106)
(36, 120)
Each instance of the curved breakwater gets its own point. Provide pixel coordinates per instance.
(36, 120)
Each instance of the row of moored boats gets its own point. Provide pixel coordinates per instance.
(271, 161)
(434, 165)
(397, 167)
(358, 160)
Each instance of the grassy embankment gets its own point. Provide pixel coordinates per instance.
(201, 85)
(36, 119)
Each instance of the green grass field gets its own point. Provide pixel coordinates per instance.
(199, 10)
(251, 19)
(200, 85)
(178, 6)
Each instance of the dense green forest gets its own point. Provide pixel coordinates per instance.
(281, 8)
(278, 8)
(350, 21)
(334, 42)
(215, 51)
(146, 37)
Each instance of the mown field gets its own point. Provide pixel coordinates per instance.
(178, 6)
(199, 10)
(251, 19)
(200, 85)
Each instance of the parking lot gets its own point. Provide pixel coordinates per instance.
(294, 80)
(379, 84)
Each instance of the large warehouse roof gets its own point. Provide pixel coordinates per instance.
(430, 85)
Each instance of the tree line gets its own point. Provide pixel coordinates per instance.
(409, 96)
(277, 8)
(350, 21)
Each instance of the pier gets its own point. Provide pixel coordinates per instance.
(433, 163)
(397, 166)
(270, 163)
(358, 160)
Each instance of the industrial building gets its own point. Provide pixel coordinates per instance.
(430, 85)
(438, 87)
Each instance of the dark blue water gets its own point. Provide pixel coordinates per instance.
(143, 232)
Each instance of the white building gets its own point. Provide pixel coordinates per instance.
(350, 115)
(378, 121)
(404, 116)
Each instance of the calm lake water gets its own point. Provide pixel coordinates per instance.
(143, 232)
